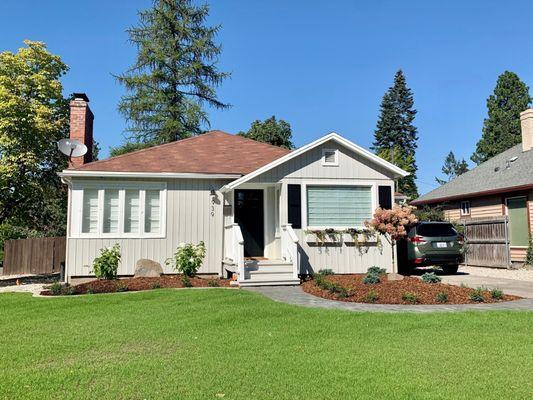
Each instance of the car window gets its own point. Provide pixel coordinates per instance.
(436, 230)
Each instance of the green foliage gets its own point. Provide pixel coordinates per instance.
(371, 297)
(501, 130)
(371, 279)
(33, 116)
(188, 258)
(174, 75)
(496, 294)
(213, 283)
(442, 297)
(156, 285)
(332, 287)
(121, 287)
(430, 213)
(452, 168)
(376, 270)
(56, 288)
(410, 297)
(186, 281)
(477, 295)
(128, 147)
(325, 271)
(277, 133)
(529, 252)
(431, 277)
(105, 266)
(68, 290)
(395, 137)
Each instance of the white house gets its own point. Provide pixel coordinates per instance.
(253, 204)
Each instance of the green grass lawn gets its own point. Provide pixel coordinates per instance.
(230, 344)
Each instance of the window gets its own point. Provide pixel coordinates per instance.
(294, 200)
(518, 226)
(338, 206)
(123, 210)
(330, 157)
(385, 197)
(465, 207)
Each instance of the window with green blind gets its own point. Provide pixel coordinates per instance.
(518, 226)
(338, 206)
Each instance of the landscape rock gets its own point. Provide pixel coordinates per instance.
(394, 277)
(145, 268)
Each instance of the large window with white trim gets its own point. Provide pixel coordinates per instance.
(338, 206)
(120, 211)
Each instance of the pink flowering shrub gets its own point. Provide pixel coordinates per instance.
(393, 222)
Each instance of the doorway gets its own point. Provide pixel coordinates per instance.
(249, 214)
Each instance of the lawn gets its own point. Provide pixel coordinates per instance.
(217, 343)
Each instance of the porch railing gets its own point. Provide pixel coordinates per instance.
(234, 248)
(289, 248)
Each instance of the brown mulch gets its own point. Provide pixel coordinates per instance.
(137, 284)
(391, 292)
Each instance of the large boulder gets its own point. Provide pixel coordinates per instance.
(145, 268)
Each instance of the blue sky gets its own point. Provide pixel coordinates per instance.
(321, 65)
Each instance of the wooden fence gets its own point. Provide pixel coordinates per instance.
(34, 255)
(487, 242)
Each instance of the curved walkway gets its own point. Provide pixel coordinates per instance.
(295, 295)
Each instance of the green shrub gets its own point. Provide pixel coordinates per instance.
(186, 281)
(188, 258)
(325, 271)
(477, 295)
(156, 285)
(376, 270)
(68, 290)
(121, 287)
(105, 266)
(529, 253)
(371, 279)
(89, 289)
(431, 277)
(56, 288)
(496, 294)
(213, 283)
(442, 297)
(371, 297)
(410, 297)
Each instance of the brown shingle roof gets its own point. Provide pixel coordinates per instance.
(214, 152)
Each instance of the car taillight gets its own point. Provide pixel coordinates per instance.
(461, 239)
(418, 239)
(419, 260)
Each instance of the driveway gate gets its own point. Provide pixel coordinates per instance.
(487, 242)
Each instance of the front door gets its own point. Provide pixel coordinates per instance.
(249, 215)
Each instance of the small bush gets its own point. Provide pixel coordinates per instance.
(186, 281)
(371, 279)
(376, 270)
(105, 266)
(121, 287)
(496, 294)
(67, 290)
(188, 258)
(431, 277)
(89, 290)
(410, 297)
(477, 295)
(325, 271)
(371, 297)
(156, 285)
(56, 288)
(442, 297)
(529, 252)
(213, 283)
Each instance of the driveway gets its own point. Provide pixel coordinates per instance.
(510, 286)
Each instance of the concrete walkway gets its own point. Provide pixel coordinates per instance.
(509, 286)
(295, 295)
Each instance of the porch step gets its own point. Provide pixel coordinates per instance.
(255, 282)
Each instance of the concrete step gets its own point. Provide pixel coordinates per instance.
(255, 282)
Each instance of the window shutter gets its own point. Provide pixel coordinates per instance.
(385, 197)
(294, 197)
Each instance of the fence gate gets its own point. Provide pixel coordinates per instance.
(34, 255)
(487, 242)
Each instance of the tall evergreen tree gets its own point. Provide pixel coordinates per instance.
(175, 73)
(395, 137)
(271, 131)
(452, 168)
(501, 130)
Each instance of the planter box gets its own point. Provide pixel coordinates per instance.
(312, 238)
(361, 239)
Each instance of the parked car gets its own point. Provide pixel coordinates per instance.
(434, 244)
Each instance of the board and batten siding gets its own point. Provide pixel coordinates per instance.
(191, 216)
(353, 169)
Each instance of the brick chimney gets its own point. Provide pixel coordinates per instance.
(526, 124)
(81, 127)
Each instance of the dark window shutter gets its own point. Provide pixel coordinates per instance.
(385, 197)
(294, 200)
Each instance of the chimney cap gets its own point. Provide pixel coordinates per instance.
(80, 96)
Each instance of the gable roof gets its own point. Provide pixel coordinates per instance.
(332, 136)
(495, 175)
(214, 152)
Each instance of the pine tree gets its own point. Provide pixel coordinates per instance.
(174, 75)
(501, 130)
(452, 168)
(395, 137)
(271, 131)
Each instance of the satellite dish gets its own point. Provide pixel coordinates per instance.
(72, 147)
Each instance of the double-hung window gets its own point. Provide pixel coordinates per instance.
(338, 206)
(128, 210)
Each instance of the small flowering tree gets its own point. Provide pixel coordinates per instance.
(189, 257)
(392, 223)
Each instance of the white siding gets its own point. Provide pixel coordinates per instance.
(192, 216)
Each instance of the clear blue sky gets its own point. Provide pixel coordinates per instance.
(321, 65)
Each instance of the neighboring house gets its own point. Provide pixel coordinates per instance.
(250, 202)
(503, 185)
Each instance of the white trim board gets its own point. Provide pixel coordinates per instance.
(97, 174)
(332, 136)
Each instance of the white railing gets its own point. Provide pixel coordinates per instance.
(289, 248)
(234, 248)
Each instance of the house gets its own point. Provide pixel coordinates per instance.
(253, 204)
(501, 186)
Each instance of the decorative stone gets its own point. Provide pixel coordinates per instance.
(394, 277)
(145, 268)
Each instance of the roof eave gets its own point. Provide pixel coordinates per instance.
(68, 173)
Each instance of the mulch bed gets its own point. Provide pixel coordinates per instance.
(137, 284)
(391, 292)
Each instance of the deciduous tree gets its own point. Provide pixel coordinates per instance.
(271, 131)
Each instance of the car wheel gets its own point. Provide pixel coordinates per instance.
(450, 269)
